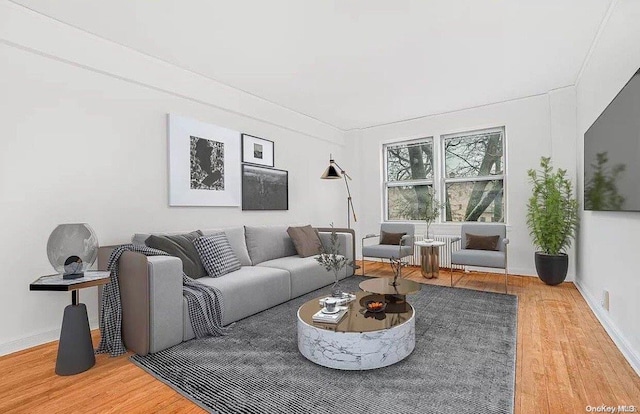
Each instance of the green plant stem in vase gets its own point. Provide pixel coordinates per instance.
(431, 212)
(334, 262)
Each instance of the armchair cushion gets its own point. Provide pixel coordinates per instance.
(386, 251)
(481, 258)
(478, 242)
(391, 238)
(268, 242)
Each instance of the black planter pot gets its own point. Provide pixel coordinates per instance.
(551, 268)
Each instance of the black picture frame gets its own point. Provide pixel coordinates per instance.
(258, 151)
(264, 188)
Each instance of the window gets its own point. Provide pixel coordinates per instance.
(474, 176)
(465, 171)
(408, 176)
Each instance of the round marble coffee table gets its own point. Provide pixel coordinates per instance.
(361, 340)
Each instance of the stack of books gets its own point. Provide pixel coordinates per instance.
(344, 300)
(323, 317)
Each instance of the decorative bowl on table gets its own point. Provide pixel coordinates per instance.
(375, 306)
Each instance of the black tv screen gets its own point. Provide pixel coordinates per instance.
(612, 154)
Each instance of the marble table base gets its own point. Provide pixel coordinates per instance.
(355, 350)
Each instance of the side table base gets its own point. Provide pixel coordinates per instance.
(75, 350)
(429, 261)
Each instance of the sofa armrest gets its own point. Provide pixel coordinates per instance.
(345, 243)
(346, 238)
(151, 296)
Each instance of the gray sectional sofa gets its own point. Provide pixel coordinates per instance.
(154, 313)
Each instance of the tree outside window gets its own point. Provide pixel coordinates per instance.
(408, 178)
(474, 176)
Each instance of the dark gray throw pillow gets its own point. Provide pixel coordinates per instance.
(216, 254)
(477, 242)
(391, 238)
(180, 246)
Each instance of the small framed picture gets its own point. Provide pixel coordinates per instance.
(257, 151)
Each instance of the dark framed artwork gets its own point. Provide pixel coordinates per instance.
(264, 188)
(257, 151)
(203, 163)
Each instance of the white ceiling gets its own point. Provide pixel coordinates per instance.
(356, 63)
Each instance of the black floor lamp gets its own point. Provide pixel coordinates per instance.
(332, 173)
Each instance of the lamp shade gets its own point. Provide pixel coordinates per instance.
(331, 173)
(72, 248)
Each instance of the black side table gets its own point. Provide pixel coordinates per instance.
(75, 350)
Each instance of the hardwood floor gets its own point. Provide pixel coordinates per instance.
(565, 361)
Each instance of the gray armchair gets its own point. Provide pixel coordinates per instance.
(482, 258)
(387, 251)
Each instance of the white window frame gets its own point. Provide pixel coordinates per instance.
(439, 181)
(445, 180)
(387, 184)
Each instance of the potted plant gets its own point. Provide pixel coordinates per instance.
(552, 217)
(334, 262)
(431, 212)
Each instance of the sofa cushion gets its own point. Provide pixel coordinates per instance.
(216, 254)
(306, 273)
(249, 290)
(386, 251)
(235, 235)
(306, 240)
(181, 246)
(268, 242)
(391, 238)
(482, 258)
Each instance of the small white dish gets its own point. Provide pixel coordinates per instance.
(336, 310)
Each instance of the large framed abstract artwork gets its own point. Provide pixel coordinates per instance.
(204, 162)
(264, 188)
(257, 150)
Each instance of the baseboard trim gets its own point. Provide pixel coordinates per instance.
(35, 340)
(632, 357)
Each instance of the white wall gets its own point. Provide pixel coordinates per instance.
(608, 243)
(84, 140)
(535, 126)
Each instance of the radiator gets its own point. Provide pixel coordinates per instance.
(445, 251)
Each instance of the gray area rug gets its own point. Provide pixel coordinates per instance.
(463, 362)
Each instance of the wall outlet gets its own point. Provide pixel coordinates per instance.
(605, 300)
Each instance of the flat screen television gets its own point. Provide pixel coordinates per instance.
(612, 154)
